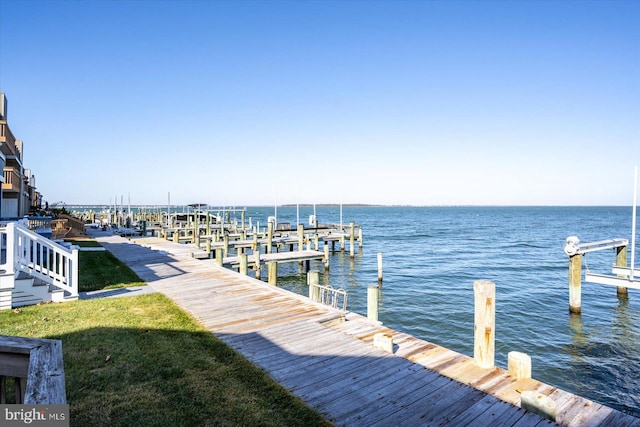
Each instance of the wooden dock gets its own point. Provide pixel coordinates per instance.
(328, 358)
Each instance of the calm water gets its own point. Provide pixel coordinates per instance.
(432, 255)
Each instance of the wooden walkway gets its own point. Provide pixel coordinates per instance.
(328, 359)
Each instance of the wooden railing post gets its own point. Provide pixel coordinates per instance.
(484, 326)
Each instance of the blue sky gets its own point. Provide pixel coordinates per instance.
(257, 102)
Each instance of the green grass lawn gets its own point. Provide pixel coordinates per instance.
(143, 361)
(102, 270)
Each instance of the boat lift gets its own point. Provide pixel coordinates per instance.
(624, 277)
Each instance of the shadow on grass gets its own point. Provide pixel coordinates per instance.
(160, 377)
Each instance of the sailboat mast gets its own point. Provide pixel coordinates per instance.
(633, 220)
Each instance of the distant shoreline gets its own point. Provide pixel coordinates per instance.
(326, 205)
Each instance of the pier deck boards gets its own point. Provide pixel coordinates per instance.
(328, 359)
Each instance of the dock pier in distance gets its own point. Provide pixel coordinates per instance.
(241, 245)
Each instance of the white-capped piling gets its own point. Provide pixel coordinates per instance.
(379, 267)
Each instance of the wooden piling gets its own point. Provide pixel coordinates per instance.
(269, 236)
(300, 236)
(352, 238)
(219, 255)
(519, 365)
(575, 279)
(372, 303)
(272, 272)
(313, 279)
(326, 257)
(379, 267)
(258, 266)
(484, 325)
(243, 264)
(196, 230)
(621, 261)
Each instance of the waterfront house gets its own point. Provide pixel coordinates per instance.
(33, 268)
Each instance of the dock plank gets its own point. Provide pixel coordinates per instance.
(327, 358)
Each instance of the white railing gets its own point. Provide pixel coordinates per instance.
(36, 222)
(24, 250)
(328, 295)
